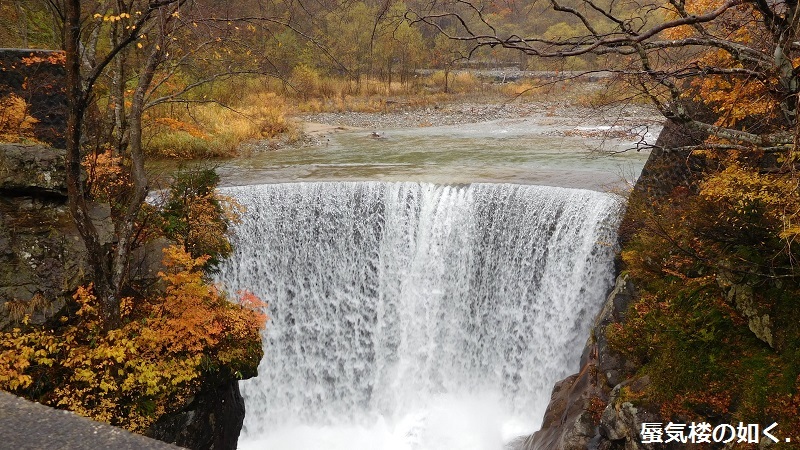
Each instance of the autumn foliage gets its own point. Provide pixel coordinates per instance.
(16, 124)
(197, 217)
(715, 325)
(174, 336)
(130, 376)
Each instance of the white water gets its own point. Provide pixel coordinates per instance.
(416, 316)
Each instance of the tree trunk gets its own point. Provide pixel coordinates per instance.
(118, 94)
(76, 196)
(125, 228)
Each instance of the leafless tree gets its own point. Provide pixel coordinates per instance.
(671, 50)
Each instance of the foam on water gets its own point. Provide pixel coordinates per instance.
(412, 315)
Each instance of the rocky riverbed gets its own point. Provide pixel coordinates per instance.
(465, 113)
(564, 118)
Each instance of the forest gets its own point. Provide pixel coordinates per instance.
(712, 328)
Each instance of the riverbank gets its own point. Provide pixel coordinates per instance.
(461, 113)
(564, 119)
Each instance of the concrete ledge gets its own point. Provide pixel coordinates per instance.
(26, 425)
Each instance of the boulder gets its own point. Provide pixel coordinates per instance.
(741, 296)
(622, 420)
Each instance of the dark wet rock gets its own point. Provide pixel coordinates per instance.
(42, 258)
(613, 366)
(569, 423)
(211, 420)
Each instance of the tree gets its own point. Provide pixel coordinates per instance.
(349, 36)
(744, 51)
(446, 52)
(399, 46)
(122, 59)
(156, 17)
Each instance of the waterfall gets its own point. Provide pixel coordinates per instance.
(416, 316)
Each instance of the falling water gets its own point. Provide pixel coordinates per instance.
(416, 316)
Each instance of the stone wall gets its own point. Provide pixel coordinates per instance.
(37, 76)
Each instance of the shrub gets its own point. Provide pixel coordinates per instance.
(305, 81)
(151, 365)
(197, 218)
(15, 123)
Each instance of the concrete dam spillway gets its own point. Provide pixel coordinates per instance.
(415, 315)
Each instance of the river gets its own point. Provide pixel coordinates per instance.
(426, 287)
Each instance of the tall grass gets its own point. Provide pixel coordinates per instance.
(213, 130)
(261, 109)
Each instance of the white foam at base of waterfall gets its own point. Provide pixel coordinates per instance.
(416, 316)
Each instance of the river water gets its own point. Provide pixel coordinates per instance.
(425, 288)
(525, 151)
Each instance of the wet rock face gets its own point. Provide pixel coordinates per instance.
(42, 257)
(212, 420)
(610, 364)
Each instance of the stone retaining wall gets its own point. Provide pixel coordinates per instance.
(37, 76)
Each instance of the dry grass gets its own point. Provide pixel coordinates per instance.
(211, 130)
(19, 311)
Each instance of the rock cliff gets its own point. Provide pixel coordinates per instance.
(592, 409)
(42, 257)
